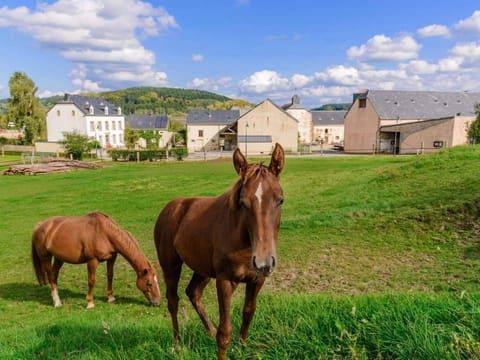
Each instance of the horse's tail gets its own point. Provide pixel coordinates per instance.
(37, 263)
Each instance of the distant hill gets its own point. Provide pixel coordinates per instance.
(332, 107)
(156, 100)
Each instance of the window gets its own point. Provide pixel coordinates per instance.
(73, 112)
(92, 126)
(119, 125)
(113, 125)
(99, 125)
(106, 126)
(106, 110)
(91, 110)
(58, 112)
(200, 133)
(362, 103)
(114, 139)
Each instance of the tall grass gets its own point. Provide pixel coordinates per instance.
(378, 259)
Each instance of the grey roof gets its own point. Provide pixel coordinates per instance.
(98, 103)
(422, 104)
(325, 118)
(147, 122)
(212, 117)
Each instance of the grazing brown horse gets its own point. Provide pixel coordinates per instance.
(231, 237)
(91, 239)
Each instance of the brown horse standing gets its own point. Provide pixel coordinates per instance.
(91, 239)
(231, 237)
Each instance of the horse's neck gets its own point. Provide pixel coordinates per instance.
(129, 249)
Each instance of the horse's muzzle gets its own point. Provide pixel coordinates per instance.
(264, 268)
(154, 302)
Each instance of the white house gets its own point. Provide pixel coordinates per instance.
(328, 126)
(304, 118)
(206, 129)
(91, 116)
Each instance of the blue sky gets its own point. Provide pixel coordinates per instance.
(323, 51)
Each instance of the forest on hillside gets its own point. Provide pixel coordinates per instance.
(156, 100)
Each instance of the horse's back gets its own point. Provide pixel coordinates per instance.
(68, 238)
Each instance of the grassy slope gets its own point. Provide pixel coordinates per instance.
(399, 233)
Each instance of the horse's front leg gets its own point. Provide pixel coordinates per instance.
(225, 289)
(251, 291)
(92, 268)
(110, 263)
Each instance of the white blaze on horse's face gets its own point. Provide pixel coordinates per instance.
(265, 214)
(259, 193)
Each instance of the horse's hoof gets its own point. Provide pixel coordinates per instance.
(59, 304)
(112, 300)
(90, 306)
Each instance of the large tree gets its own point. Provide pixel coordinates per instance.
(24, 108)
(474, 130)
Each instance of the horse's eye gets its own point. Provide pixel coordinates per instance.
(280, 201)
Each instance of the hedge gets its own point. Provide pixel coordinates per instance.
(150, 155)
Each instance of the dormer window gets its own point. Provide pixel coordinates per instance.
(91, 110)
(106, 110)
(119, 110)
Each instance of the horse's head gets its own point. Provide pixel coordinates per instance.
(260, 199)
(147, 282)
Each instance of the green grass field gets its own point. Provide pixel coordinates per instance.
(378, 258)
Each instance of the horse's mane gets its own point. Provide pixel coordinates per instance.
(253, 171)
(121, 238)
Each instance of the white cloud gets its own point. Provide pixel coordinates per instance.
(420, 67)
(300, 80)
(48, 93)
(469, 25)
(210, 84)
(343, 75)
(383, 48)
(264, 81)
(97, 36)
(197, 57)
(434, 30)
(470, 52)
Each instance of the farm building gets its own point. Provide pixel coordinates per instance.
(405, 122)
(328, 126)
(155, 123)
(304, 118)
(263, 126)
(208, 129)
(91, 116)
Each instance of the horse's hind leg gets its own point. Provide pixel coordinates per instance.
(171, 275)
(52, 274)
(195, 291)
(110, 263)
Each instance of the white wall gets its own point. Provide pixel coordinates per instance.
(64, 118)
(196, 142)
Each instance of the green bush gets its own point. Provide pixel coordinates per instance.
(146, 154)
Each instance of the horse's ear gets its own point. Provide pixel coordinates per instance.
(278, 160)
(239, 162)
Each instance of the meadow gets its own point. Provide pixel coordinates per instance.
(378, 259)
